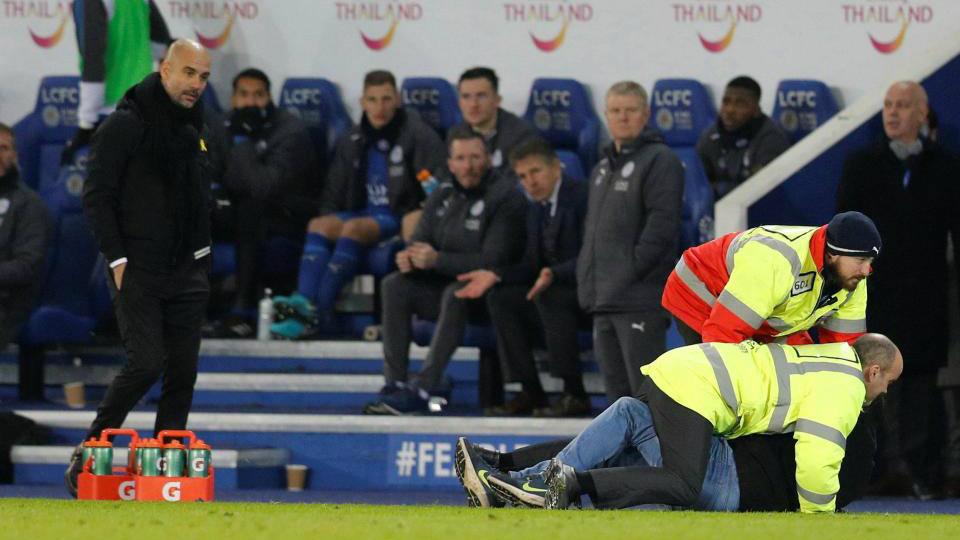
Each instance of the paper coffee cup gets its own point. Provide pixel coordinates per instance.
(296, 477)
(74, 392)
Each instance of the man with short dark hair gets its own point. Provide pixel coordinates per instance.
(371, 187)
(538, 295)
(478, 90)
(147, 200)
(24, 232)
(742, 141)
(476, 221)
(908, 184)
(271, 184)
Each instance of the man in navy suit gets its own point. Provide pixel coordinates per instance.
(539, 294)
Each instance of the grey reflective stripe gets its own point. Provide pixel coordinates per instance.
(849, 326)
(782, 248)
(778, 324)
(813, 367)
(815, 498)
(821, 430)
(693, 282)
(740, 309)
(722, 375)
(779, 417)
(731, 250)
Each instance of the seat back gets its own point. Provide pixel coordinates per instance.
(562, 111)
(681, 109)
(317, 102)
(42, 134)
(696, 217)
(802, 105)
(435, 99)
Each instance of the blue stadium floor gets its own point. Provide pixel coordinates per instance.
(456, 498)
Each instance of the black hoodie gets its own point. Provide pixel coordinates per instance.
(147, 191)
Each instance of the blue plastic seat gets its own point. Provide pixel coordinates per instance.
(802, 105)
(682, 109)
(434, 99)
(42, 134)
(562, 111)
(318, 103)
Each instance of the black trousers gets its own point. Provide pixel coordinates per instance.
(685, 446)
(623, 343)
(159, 316)
(519, 323)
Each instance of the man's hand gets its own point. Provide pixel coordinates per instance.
(480, 282)
(544, 281)
(118, 275)
(422, 255)
(403, 261)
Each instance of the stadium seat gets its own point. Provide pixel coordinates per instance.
(317, 102)
(562, 111)
(72, 298)
(209, 99)
(42, 134)
(802, 105)
(681, 109)
(435, 99)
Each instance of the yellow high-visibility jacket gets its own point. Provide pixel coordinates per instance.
(814, 391)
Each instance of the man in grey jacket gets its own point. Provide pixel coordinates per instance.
(476, 221)
(630, 241)
(742, 141)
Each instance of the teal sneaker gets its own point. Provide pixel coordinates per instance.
(296, 306)
(528, 491)
(289, 329)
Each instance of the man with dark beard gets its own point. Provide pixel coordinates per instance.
(146, 198)
(742, 141)
(773, 283)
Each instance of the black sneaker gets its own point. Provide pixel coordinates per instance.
(73, 472)
(562, 486)
(528, 491)
(472, 472)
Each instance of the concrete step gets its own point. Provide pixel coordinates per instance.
(247, 468)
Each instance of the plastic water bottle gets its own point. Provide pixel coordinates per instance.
(427, 181)
(265, 313)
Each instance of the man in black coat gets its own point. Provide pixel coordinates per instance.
(24, 232)
(538, 295)
(271, 183)
(908, 185)
(476, 221)
(147, 199)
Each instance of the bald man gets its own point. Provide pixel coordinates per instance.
(146, 200)
(909, 185)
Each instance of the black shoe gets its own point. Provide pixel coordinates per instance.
(472, 472)
(568, 405)
(73, 472)
(528, 492)
(522, 404)
(562, 486)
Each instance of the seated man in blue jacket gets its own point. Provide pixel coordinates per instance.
(371, 186)
(538, 295)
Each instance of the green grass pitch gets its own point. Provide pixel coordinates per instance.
(37, 519)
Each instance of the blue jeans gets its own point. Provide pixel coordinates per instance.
(623, 436)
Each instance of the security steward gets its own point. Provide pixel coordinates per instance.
(733, 390)
(146, 198)
(773, 283)
(477, 221)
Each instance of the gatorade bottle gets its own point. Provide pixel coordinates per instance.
(427, 181)
(265, 316)
(198, 460)
(174, 455)
(101, 452)
(151, 463)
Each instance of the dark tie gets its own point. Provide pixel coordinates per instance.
(546, 208)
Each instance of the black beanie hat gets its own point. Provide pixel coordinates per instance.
(853, 234)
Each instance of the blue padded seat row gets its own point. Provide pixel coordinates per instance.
(562, 111)
(681, 109)
(42, 134)
(802, 105)
(74, 295)
(318, 103)
(434, 99)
